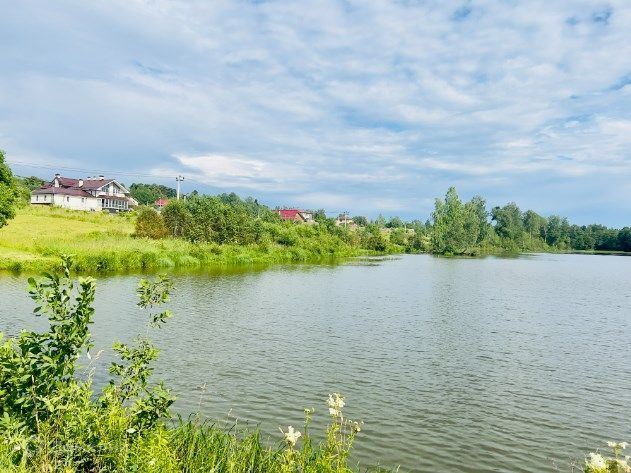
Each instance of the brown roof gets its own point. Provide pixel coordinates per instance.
(94, 183)
(62, 191)
(67, 181)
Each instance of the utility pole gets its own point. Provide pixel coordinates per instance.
(178, 180)
(346, 220)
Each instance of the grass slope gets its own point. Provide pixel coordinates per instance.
(101, 242)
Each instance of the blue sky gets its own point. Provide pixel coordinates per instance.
(366, 106)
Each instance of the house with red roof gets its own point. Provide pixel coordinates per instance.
(295, 215)
(91, 194)
(160, 203)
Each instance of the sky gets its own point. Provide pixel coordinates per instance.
(364, 106)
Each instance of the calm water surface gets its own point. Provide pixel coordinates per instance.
(454, 364)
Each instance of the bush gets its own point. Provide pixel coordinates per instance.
(150, 224)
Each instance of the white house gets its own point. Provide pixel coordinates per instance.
(92, 193)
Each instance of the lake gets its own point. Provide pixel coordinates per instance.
(494, 364)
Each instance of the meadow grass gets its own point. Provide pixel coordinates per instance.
(37, 236)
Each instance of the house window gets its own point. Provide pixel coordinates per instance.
(36, 198)
(67, 199)
(45, 197)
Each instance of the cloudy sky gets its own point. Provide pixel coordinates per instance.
(368, 106)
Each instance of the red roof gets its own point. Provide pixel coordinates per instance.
(289, 214)
(161, 202)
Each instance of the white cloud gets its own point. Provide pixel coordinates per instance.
(389, 101)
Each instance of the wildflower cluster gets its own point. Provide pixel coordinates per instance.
(618, 463)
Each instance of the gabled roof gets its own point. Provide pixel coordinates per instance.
(289, 214)
(94, 184)
(67, 181)
(161, 202)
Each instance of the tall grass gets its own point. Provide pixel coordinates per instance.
(35, 239)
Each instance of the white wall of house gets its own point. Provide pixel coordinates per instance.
(71, 202)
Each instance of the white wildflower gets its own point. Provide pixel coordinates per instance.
(152, 462)
(131, 430)
(357, 426)
(336, 401)
(334, 412)
(596, 461)
(291, 436)
(616, 445)
(623, 465)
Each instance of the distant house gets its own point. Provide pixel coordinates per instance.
(345, 221)
(91, 194)
(161, 203)
(296, 215)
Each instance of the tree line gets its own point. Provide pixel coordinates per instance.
(455, 227)
(468, 228)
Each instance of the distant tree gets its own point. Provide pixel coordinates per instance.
(360, 220)
(478, 218)
(380, 221)
(533, 223)
(150, 224)
(624, 239)
(454, 229)
(147, 194)
(32, 182)
(558, 231)
(176, 218)
(372, 238)
(320, 216)
(508, 222)
(8, 192)
(398, 236)
(394, 222)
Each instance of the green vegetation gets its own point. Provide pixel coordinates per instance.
(8, 192)
(616, 462)
(35, 239)
(147, 194)
(52, 420)
(464, 229)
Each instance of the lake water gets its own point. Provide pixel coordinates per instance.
(454, 364)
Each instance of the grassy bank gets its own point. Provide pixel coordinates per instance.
(35, 238)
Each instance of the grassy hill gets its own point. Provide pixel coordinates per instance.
(100, 242)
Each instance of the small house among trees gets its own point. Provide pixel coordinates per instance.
(296, 215)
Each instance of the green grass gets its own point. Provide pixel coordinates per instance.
(35, 238)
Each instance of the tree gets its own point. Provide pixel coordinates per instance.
(533, 223)
(147, 194)
(360, 220)
(8, 192)
(150, 224)
(508, 222)
(454, 229)
(176, 218)
(380, 221)
(558, 231)
(395, 222)
(320, 216)
(477, 219)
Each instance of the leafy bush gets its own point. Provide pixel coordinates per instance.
(150, 224)
(8, 192)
